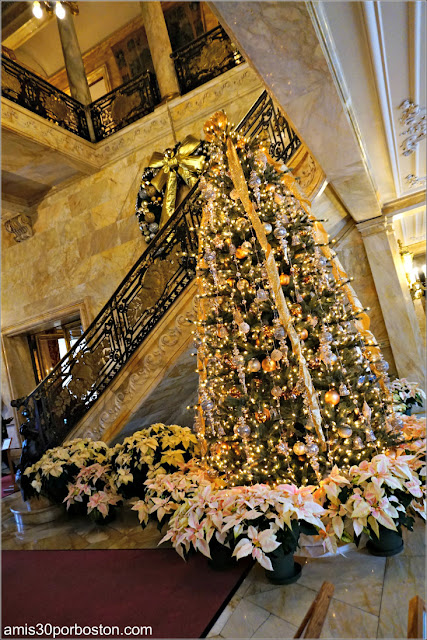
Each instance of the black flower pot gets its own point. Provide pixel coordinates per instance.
(221, 556)
(389, 543)
(285, 569)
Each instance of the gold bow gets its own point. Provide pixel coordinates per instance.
(182, 163)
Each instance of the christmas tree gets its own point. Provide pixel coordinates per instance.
(291, 380)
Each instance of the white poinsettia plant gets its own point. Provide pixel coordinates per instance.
(250, 520)
(373, 494)
(165, 492)
(60, 466)
(159, 448)
(406, 394)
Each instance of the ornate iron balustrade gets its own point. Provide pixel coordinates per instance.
(35, 94)
(264, 118)
(205, 58)
(125, 104)
(140, 301)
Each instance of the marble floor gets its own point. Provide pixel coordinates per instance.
(370, 599)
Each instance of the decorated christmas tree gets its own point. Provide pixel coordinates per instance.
(291, 379)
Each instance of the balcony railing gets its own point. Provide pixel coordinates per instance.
(35, 94)
(196, 63)
(205, 58)
(129, 102)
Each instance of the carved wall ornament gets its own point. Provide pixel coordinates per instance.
(414, 181)
(414, 118)
(20, 226)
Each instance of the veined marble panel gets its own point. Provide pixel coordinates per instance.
(280, 42)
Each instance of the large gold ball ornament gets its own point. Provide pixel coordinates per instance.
(268, 364)
(241, 253)
(299, 448)
(296, 310)
(284, 279)
(262, 416)
(332, 397)
(303, 334)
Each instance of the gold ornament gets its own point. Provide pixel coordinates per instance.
(345, 432)
(296, 310)
(230, 282)
(149, 217)
(268, 364)
(262, 416)
(332, 397)
(241, 253)
(299, 448)
(254, 365)
(284, 279)
(303, 334)
(215, 126)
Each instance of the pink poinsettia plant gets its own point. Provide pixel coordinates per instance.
(93, 492)
(250, 520)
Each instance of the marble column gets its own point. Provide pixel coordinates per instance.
(160, 49)
(79, 87)
(395, 298)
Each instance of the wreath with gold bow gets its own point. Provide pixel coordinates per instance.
(162, 180)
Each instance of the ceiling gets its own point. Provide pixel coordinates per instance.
(378, 53)
(41, 49)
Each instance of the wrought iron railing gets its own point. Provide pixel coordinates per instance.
(205, 58)
(35, 94)
(141, 300)
(122, 106)
(263, 117)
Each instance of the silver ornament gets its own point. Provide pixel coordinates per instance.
(276, 355)
(345, 432)
(261, 294)
(280, 232)
(243, 430)
(276, 392)
(244, 327)
(267, 227)
(312, 449)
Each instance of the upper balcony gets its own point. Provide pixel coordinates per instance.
(196, 63)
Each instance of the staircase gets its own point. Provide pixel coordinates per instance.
(142, 329)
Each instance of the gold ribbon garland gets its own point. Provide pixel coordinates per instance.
(181, 163)
(362, 322)
(240, 185)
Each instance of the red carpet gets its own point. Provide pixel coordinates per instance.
(6, 486)
(152, 587)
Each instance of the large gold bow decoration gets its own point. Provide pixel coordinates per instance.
(182, 163)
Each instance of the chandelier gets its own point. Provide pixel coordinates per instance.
(54, 7)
